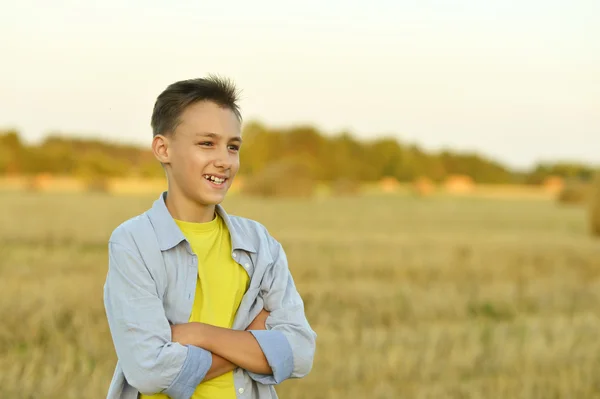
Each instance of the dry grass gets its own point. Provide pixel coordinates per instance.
(577, 193)
(436, 298)
(594, 211)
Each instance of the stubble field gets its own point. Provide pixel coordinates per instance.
(410, 298)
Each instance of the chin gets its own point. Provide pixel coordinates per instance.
(210, 199)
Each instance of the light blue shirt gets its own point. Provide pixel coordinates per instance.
(151, 283)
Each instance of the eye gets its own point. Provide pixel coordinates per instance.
(206, 143)
(234, 147)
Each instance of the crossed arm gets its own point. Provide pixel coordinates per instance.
(229, 348)
(155, 356)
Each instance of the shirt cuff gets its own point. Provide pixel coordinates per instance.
(278, 353)
(196, 365)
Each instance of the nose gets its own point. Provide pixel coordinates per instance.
(222, 159)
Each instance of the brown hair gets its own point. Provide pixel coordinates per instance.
(171, 103)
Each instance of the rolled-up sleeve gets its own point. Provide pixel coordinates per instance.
(289, 341)
(141, 332)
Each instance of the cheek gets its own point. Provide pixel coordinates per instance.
(187, 166)
(196, 162)
(235, 165)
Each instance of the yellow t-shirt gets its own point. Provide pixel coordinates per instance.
(220, 286)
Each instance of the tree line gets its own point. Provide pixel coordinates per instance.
(329, 158)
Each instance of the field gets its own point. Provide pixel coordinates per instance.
(411, 298)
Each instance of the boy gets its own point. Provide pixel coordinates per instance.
(201, 304)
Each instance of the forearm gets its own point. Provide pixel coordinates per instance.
(238, 347)
(219, 367)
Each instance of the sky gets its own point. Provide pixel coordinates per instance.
(517, 81)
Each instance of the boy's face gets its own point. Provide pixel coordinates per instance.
(202, 154)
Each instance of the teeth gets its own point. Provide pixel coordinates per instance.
(214, 179)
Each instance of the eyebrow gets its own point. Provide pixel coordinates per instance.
(218, 136)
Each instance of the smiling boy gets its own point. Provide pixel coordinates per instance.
(201, 304)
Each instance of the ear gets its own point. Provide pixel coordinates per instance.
(160, 148)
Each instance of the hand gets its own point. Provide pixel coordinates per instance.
(259, 322)
(187, 333)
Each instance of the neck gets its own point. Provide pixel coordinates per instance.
(182, 208)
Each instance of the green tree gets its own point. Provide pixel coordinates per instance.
(11, 152)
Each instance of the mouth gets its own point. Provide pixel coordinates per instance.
(216, 180)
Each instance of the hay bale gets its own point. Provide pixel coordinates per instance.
(286, 178)
(458, 184)
(594, 206)
(133, 185)
(48, 183)
(574, 193)
(345, 187)
(423, 187)
(40, 182)
(553, 184)
(389, 184)
(97, 185)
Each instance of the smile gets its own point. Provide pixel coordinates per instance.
(214, 179)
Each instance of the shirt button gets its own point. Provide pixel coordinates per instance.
(234, 255)
(241, 390)
(247, 265)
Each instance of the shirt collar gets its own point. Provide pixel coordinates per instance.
(170, 235)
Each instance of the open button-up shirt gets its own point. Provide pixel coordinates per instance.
(151, 283)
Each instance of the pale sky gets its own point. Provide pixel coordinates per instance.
(515, 80)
